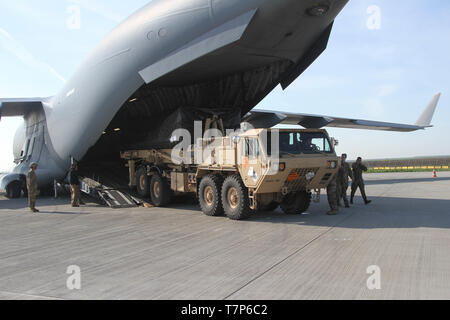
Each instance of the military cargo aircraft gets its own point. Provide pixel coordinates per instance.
(217, 56)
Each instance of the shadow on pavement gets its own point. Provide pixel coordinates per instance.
(14, 204)
(382, 213)
(22, 203)
(413, 180)
(63, 213)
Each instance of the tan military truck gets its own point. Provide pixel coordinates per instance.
(241, 174)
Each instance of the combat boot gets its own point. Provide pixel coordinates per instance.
(333, 212)
(347, 205)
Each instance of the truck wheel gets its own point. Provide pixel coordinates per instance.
(296, 203)
(209, 195)
(14, 190)
(235, 198)
(142, 182)
(306, 198)
(160, 192)
(270, 207)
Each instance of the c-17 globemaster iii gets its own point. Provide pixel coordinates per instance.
(200, 57)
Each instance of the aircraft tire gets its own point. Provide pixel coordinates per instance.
(14, 190)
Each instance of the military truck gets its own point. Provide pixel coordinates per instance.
(241, 174)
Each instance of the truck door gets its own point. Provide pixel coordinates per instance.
(250, 164)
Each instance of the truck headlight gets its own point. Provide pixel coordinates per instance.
(332, 164)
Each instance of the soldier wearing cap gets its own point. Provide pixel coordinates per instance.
(32, 187)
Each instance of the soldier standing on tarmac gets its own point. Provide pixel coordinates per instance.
(74, 181)
(344, 173)
(32, 187)
(358, 181)
(332, 197)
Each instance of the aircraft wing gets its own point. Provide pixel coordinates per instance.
(18, 107)
(267, 119)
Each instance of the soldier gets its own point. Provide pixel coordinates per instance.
(32, 187)
(332, 197)
(358, 181)
(308, 146)
(344, 173)
(74, 182)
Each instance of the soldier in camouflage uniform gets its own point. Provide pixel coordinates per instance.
(32, 187)
(344, 173)
(332, 197)
(74, 181)
(358, 181)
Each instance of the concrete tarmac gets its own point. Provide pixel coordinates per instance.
(178, 253)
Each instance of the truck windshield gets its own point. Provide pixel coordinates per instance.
(296, 143)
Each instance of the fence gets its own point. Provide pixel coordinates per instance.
(410, 164)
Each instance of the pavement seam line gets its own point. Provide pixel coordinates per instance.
(30, 295)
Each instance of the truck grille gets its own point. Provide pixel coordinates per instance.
(326, 178)
(297, 179)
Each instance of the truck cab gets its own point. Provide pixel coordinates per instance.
(279, 165)
(307, 153)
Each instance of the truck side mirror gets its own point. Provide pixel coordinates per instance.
(334, 142)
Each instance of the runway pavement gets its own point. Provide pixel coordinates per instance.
(178, 253)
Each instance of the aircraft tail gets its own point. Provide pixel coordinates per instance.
(427, 116)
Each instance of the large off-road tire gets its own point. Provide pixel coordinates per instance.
(306, 201)
(236, 202)
(332, 194)
(142, 182)
(160, 192)
(14, 190)
(269, 207)
(210, 195)
(296, 203)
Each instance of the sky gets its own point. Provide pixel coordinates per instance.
(385, 61)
